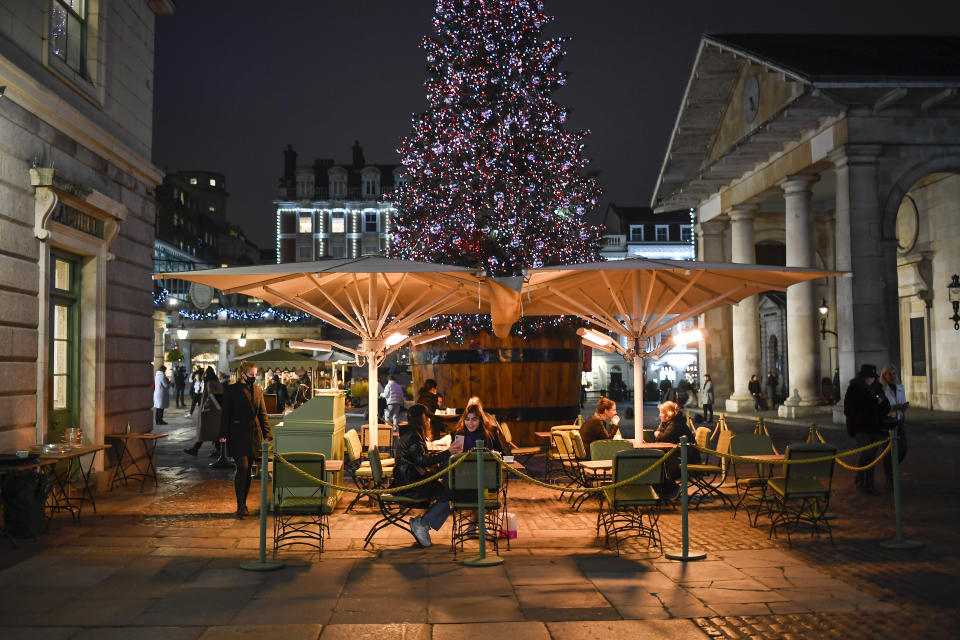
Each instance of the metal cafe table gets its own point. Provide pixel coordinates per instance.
(149, 441)
(64, 495)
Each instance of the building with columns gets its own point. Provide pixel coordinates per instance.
(836, 152)
(76, 218)
(326, 210)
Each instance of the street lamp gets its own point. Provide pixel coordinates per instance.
(824, 310)
(242, 340)
(953, 291)
(182, 332)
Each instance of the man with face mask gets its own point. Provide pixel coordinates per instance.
(243, 426)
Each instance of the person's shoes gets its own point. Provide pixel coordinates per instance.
(420, 531)
(186, 414)
(675, 494)
(192, 451)
(162, 422)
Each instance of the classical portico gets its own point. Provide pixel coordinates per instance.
(847, 168)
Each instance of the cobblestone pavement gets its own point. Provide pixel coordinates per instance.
(164, 563)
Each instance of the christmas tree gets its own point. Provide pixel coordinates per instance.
(495, 180)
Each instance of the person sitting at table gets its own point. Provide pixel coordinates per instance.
(673, 425)
(412, 463)
(602, 425)
(427, 396)
(475, 425)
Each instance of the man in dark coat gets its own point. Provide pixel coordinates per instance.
(865, 404)
(243, 426)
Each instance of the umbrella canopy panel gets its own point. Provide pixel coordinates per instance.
(640, 298)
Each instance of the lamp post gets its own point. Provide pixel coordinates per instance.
(953, 294)
(182, 332)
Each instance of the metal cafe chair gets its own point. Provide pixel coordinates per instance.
(632, 510)
(463, 484)
(300, 506)
(802, 495)
(394, 508)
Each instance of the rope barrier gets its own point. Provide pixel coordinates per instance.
(816, 432)
(835, 456)
(454, 464)
(369, 492)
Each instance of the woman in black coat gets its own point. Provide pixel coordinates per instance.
(595, 428)
(243, 427)
(673, 425)
(413, 461)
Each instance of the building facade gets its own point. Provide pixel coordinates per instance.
(636, 232)
(76, 218)
(327, 210)
(835, 152)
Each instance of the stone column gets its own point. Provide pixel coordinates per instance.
(746, 322)
(802, 349)
(865, 329)
(224, 363)
(715, 352)
(159, 334)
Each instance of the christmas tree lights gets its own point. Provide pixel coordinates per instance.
(495, 180)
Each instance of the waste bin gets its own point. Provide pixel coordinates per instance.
(24, 496)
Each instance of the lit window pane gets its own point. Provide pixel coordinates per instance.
(306, 223)
(337, 223)
(60, 392)
(213, 182)
(193, 181)
(60, 357)
(58, 31)
(61, 278)
(60, 322)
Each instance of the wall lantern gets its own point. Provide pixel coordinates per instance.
(953, 291)
(182, 332)
(242, 340)
(824, 310)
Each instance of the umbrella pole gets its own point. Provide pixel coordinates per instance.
(373, 398)
(638, 398)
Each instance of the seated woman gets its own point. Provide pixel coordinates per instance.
(602, 425)
(475, 425)
(427, 396)
(412, 462)
(673, 425)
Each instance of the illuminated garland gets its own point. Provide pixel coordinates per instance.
(160, 296)
(463, 325)
(270, 313)
(495, 180)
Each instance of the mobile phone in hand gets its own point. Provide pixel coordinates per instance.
(458, 441)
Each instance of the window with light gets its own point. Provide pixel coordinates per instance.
(337, 223)
(68, 33)
(306, 223)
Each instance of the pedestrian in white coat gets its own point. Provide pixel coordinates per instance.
(161, 393)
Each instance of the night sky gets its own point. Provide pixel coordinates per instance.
(234, 87)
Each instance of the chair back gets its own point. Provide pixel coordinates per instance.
(750, 444)
(384, 435)
(702, 437)
(565, 427)
(819, 471)
(578, 447)
(563, 444)
(463, 477)
(287, 481)
(723, 441)
(630, 462)
(606, 449)
(270, 401)
(507, 436)
(351, 445)
(376, 469)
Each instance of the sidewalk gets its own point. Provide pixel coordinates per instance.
(165, 564)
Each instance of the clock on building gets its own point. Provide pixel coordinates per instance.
(201, 295)
(751, 98)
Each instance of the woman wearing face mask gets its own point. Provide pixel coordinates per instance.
(243, 427)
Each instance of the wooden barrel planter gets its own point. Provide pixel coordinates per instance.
(531, 383)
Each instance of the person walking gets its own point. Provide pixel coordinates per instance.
(754, 388)
(706, 398)
(161, 393)
(208, 419)
(243, 427)
(897, 398)
(179, 385)
(196, 390)
(393, 394)
(865, 405)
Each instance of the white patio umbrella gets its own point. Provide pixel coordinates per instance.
(376, 299)
(638, 299)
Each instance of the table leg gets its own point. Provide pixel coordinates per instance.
(118, 470)
(86, 494)
(149, 447)
(59, 490)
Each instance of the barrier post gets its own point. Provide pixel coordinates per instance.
(685, 554)
(898, 542)
(482, 560)
(262, 564)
